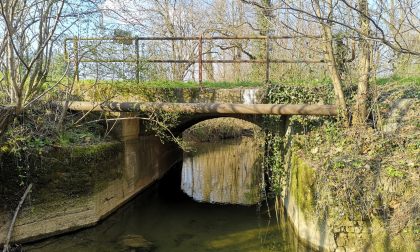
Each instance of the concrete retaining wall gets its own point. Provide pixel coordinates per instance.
(78, 186)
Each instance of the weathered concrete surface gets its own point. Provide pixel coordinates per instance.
(298, 202)
(330, 231)
(106, 184)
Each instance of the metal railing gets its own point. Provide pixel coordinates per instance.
(198, 60)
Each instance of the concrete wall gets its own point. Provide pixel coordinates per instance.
(79, 190)
(298, 201)
(330, 231)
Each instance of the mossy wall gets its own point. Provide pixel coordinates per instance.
(328, 230)
(302, 185)
(61, 172)
(77, 186)
(299, 203)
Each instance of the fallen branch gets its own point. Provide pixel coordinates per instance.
(9, 234)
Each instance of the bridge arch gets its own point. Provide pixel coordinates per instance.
(187, 122)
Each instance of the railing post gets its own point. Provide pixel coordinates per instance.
(66, 55)
(267, 59)
(76, 58)
(200, 60)
(137, 60)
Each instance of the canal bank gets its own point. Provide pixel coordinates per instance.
(77, 187)
(76, 184)
(318, 176)
(172, 221)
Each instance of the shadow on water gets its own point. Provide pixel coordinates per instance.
(172, 221)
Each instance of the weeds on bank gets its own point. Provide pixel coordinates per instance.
(364, 172)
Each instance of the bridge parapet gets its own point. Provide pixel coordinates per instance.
(122, 93)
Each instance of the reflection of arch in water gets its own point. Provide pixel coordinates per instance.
(229, 171)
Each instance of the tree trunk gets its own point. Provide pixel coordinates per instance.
(332, 64)
(7, 114)
(392, 28)
(236, 66)
(209, 67)
(361, 109)
(264, 24)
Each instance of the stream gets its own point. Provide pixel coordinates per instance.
(167, 219)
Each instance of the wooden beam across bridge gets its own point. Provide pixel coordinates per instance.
(207, 108)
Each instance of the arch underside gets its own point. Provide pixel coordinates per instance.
(190, 120)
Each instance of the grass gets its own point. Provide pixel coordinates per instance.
(234, 84)
(171, 84)
(193, 84)
(207, 84)
(398, 79)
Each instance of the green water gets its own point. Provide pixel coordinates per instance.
(172, 221)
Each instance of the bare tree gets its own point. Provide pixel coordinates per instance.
(357, 22)
(330, 56)
(380, 28)
(29, 33)
(28, 29)
(361, 110)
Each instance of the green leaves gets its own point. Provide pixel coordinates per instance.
(394, 172)
(77, 136)
(273, 162)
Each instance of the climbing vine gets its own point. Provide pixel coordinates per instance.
(277, 142)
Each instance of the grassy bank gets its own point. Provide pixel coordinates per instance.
(167, 84)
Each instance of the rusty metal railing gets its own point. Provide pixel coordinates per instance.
(199, 60)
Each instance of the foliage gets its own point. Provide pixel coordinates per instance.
(294, 94)
(218, 129)
(273, 162)
(394, 172)
(358, 176)
(277, 144)
(164, 125)
(364, 172)
(79, 136)
(36, 130)
(33, 135)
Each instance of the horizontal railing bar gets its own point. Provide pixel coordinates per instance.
(190, 38)
(203, 61)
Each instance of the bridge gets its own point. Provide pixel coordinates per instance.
(207, 108)
(196, 112)
(192, 112)
(140, 160)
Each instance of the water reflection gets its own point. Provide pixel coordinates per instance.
(224, 172)
(172, 221)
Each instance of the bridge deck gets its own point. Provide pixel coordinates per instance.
(208, 108)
